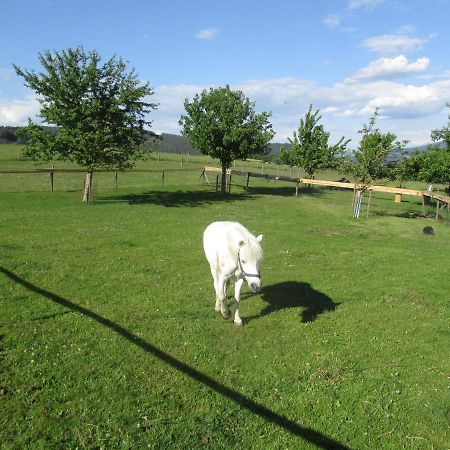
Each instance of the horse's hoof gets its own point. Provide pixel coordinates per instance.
(226, 315)
(238, 323)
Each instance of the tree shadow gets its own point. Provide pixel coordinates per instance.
(294, 294)
(308, 434)
(286, 191)
(176, 199)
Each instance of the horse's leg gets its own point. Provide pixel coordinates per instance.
(221, 296)
(237, 299)
(216, 289)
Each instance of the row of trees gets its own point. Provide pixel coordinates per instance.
(101, 115)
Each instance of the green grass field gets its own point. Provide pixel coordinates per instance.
(108, 338)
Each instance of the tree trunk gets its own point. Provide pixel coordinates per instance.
(223, 189)
(87, 187)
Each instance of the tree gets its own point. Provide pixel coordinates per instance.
(431, 165)
(222, 123)
(97, 107)
(309, 147)
(371, 159)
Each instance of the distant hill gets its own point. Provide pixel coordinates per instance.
(422, 148)
(174, 143)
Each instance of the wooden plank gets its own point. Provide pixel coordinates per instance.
(439, 197)
(395, 190)
(327, 183)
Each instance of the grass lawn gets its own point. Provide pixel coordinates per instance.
(108, 337)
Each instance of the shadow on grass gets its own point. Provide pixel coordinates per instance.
(256, 408)
(175, 199)
(286, 191)
(293, 294)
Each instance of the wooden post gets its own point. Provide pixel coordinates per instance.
(88, 186)
(51, 178)
(115, 179)
(229, 184)
(163, 176)
(296, 189)
(398, 198)
(437, 210)
(423, 205)
(368, 203)
(248, 179)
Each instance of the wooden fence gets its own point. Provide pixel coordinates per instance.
(51, 171)
(442, 201)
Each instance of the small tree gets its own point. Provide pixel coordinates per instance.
(222, 123)
(309, 147)
(371, 159)
(98, 108)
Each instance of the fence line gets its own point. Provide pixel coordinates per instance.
(442, 201)
(54, 170)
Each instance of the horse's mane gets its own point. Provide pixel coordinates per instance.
(255, 248)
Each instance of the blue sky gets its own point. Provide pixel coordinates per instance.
(345, 57)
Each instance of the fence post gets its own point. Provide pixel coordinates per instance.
(51, 178)
(229, 185)
(248, 179)
(163, 177)
(115, 179)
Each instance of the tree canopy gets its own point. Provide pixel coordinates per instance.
(222, 123)
(371, 160)
(99, 109)
(309, 146)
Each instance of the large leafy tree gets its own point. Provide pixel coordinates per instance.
(309, 146)
(222, 123)
(98, 107)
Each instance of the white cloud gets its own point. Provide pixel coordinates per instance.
(332, 21)
(16, 112)
(409, 111)
(388, 68)
(394, 43)
(207, 33)
(366, 4)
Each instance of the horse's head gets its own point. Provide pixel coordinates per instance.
(249, 256)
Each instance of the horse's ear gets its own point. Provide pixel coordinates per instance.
(241, 243)
(259, 238)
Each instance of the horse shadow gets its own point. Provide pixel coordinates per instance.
(294, 294)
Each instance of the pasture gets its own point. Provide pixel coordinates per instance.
(109, 339)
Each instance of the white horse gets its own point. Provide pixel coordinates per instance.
(231, 249)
